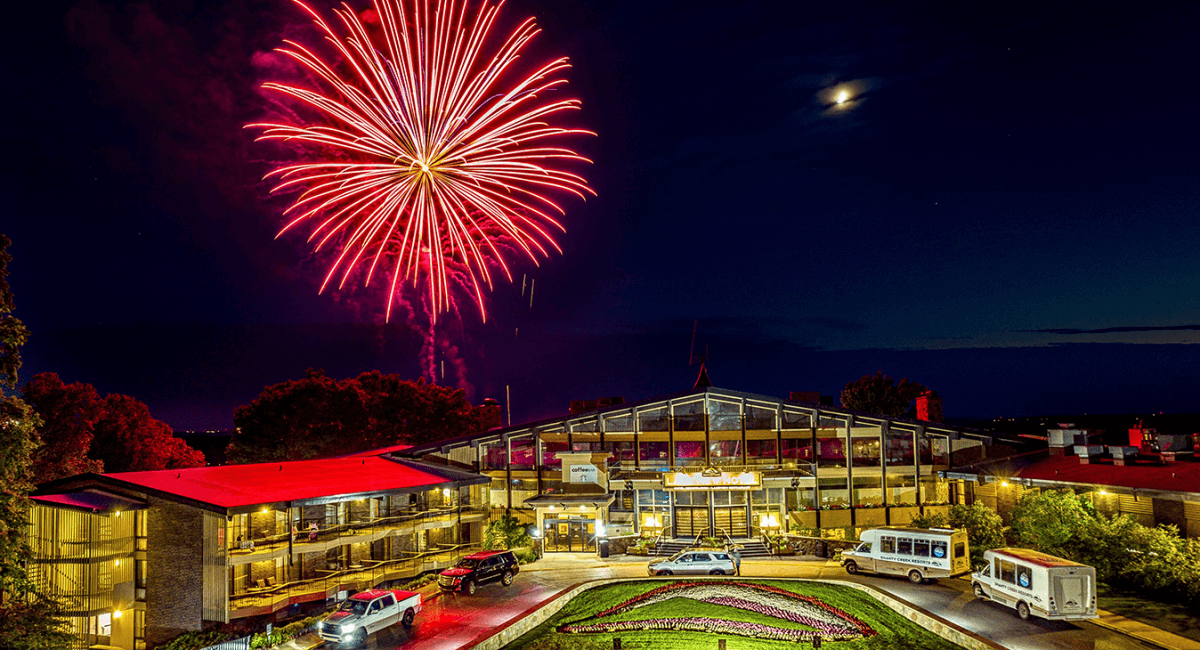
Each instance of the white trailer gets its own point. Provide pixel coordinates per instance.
(1036, 584)
(919, 553)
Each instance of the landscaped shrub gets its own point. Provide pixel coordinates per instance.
(196, 640)
(419, 581)
(505, 533)
(1155, 563)
(525, 555)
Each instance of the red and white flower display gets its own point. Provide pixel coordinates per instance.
(824, 619)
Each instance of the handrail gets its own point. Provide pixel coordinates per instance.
(337, 573)
(271, 542)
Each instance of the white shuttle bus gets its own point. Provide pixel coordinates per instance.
(1037, 584)
(919, 553)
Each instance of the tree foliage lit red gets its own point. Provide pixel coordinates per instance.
(427, 151)
(82, 432)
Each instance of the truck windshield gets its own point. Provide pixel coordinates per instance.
(356, 607)
(467, 564)
(865, 547)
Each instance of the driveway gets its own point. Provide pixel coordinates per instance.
(454, 621)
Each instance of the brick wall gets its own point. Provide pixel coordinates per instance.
(174, 571)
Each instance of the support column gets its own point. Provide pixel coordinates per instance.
(884, 430)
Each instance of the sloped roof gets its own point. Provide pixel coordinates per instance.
(239, 486)
(91, 501)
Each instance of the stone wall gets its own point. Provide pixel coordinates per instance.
(819, 547)
(174, 573)
(619, 545)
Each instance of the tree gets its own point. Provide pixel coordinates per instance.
(879, 393)
(84, 433)
(12, 331)
(128, 439)
(1051, 521)
(505, 533)
(318, 417)
(30, 620)
(68, 413)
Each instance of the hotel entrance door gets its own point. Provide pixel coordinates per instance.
(570, 535)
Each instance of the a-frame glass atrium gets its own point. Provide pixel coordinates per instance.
(714, 462)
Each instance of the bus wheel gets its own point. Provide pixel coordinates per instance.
(1023, 611)
(979, 592)
(915, 577)
(851, 568)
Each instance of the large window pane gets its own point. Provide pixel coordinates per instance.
(761, 452)
(725, 452)
(689, 453)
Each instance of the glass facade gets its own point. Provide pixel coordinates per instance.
(821, 468)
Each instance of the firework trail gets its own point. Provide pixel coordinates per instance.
(428, 155)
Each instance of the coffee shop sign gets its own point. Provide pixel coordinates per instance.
(726, 480)
(584, 474)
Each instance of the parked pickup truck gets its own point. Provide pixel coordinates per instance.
(367, 612)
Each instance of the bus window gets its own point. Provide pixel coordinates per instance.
(904, 546)
(939, 548)
(960, 549)
(1006, 571)
(887, 544)
(921, 548)
(1024, 577)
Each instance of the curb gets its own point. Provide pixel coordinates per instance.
(1190, 644)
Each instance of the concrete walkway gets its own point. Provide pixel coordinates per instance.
(582, 567)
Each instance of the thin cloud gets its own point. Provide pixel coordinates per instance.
(1116, 330)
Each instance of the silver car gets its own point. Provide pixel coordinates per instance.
(716, 563)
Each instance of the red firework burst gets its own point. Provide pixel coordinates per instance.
(427, 155)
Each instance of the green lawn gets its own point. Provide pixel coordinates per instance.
(1176, 618)
(894, 631)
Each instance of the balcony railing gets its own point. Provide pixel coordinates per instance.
(256, 601)
(307, 541)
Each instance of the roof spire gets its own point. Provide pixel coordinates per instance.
(703, 381)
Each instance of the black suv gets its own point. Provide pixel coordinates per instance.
(478, 568)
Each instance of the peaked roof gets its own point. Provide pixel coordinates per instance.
(816, 410)
(702, 381)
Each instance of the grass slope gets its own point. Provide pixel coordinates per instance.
(895, 631)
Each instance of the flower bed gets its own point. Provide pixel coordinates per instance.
(757, 614)
(817, 617)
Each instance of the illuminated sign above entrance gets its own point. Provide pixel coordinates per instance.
(712, 481)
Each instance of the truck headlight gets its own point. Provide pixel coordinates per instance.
(347, 629)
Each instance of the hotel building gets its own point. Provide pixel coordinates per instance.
(713, 462)
(140, 557)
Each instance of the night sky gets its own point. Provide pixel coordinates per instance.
(1005, 210)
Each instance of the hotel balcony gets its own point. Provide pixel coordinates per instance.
(267, 600)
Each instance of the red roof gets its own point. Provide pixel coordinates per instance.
(1180, 476)
(231, 486)
(91, 500)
